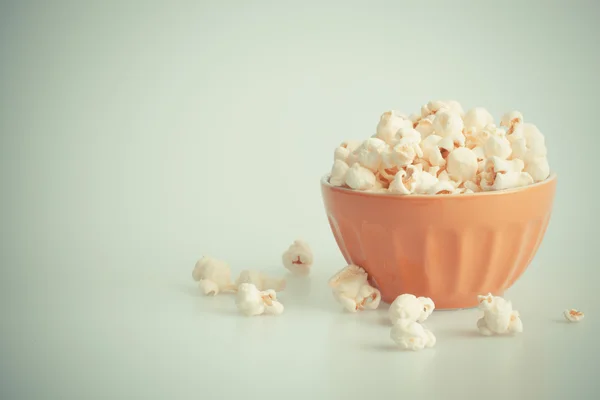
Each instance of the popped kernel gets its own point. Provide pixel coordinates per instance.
(410, 335)
(498, 316)
(338, 173)
(298, 258)
(251, 301)
(351, 289)
(573, 315)
(410, 307)
(212, 275)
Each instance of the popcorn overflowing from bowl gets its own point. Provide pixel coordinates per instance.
(443, 150)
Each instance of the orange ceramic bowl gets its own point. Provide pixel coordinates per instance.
(447, 247)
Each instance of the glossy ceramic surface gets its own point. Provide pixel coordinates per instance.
(447, 247)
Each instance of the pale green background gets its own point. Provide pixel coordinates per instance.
(137, 136)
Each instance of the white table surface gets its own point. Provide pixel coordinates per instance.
(154, 335)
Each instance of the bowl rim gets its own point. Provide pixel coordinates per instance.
(325, 182)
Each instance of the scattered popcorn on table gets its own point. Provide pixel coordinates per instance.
(352, 289)
(214, 276)
(298, 258)
(261, 280)
(251, 301)
(442, 143)
(409, 307)
(406, 312)
(574, 315)
(498, 316)
(410, 335)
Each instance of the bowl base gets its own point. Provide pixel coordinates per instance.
(449, 303)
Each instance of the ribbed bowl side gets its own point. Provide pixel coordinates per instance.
(450, 249)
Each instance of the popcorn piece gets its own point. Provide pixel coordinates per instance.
(432, 107)
(369, 153)
(431, 150)
(213, 275)
(498, 316)
(443, 187)
(462, 164)
(251, 301)
(338, 173)
(261, 280)
(408, 135)
(573, 315)
(400, 155)
(343, 151)
(538, 168)
(410, 335)
(424, 182)
(471, 186)
(425, 126)
(360, 178)
(477, 118)
(497, 164)
(414, 118)
(409, 307)
(511, 180)
(415, 180)
(388, 125)
(298, 258)
(502, 174)
(352, 289)
(498, 146)
(449, 125)
(536, 144)
(402, 183)
(511, 119)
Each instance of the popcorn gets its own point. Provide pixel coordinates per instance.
(388, 125)
(497, 146)
(498, 316)
(425, 126)
(536, 144)
(573, 315)
(409, 307)
(261, 280)
(251, 301)
(431, 150)
(369, 153)
(338, 173)
(360, 178)
(213, 275)
(498, 164)
(298, 258)
(477, 118)
(405, 313)
(410, 335)
(449, 125)
(511, 119)
(538, 169)
(440, 149)
(462, 164)
(352, 290)
(343, 151)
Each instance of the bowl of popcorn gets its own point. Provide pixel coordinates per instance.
(444, 204)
